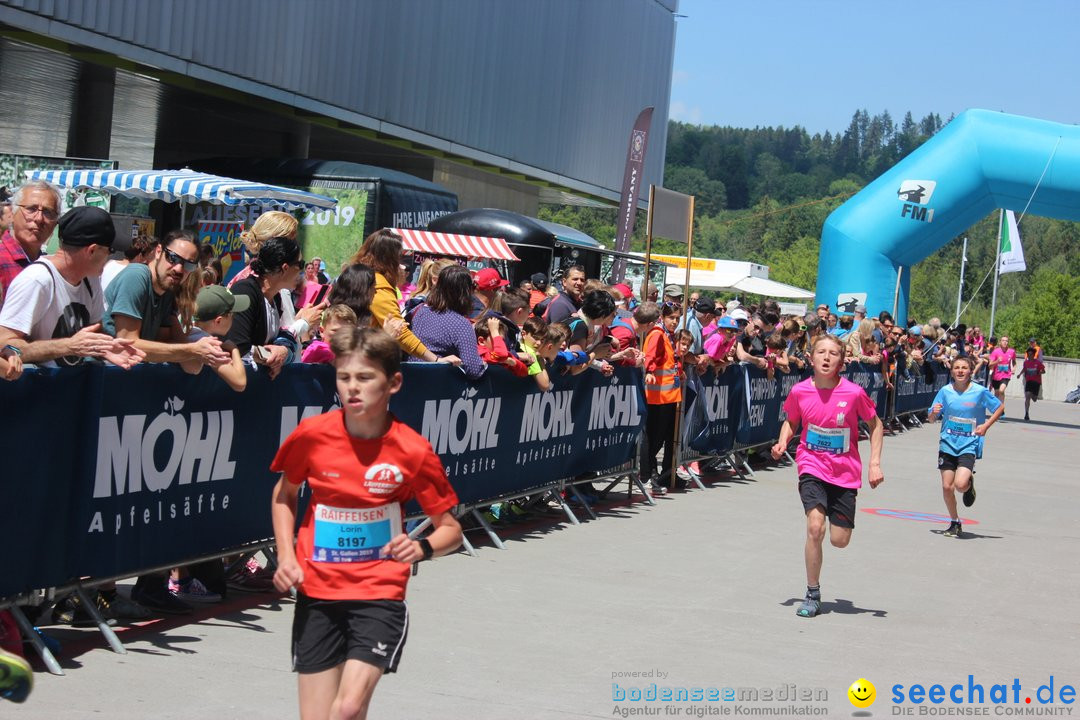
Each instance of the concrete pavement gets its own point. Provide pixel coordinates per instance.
(698, 591)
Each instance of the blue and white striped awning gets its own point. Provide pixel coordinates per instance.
(185, 186)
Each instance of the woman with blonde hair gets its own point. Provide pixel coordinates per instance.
(381, 252)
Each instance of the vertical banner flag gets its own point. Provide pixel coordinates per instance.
(1012, 252)
(631, 188)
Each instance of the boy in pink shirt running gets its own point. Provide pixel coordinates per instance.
(828, 409)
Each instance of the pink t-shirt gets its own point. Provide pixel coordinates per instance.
(829, 438)
(1001, 361)
(317, 352)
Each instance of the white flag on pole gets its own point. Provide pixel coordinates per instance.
(1012, 252)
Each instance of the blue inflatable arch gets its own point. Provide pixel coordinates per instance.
(978, 162)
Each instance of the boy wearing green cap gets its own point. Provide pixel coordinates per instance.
(214, 308)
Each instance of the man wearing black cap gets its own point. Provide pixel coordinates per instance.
(700, 314)
(539, 289)
(52, 314)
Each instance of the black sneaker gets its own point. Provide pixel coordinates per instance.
(953, 530)
(969, 494)
(160, 600)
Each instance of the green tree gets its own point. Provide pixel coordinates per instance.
(1047, 311)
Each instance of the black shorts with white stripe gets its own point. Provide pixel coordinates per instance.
(326, 633)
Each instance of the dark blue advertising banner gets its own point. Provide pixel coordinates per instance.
(108, 472)
(870, 379)
(764, 404)
(716, 412)
(916, 392)
(501, 434)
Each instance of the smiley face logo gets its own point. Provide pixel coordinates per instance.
(862, 693)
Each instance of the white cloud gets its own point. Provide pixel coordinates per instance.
(681, 112)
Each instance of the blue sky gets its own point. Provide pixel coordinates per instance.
(813, 63)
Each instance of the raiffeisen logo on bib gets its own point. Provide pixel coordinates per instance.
(974, 697)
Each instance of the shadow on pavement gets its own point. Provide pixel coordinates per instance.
(839, 606)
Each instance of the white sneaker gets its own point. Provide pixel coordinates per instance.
(657, 489)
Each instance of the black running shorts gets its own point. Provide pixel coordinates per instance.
(838, 502)
(999, 384)
(946, 461)
(326, 633)
(1032, 388)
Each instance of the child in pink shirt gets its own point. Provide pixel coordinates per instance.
(334, 318)
(826, 409)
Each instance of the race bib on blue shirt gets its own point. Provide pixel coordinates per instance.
(960, 426)
(354, 534)
(829, 440)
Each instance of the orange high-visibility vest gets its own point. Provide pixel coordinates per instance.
(660, 355)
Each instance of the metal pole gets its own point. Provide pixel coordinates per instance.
(648, 246)
(896, 295)
(960, 290)
(997, 267)
(676, 446)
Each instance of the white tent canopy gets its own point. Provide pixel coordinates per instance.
(185, 186)
(730, 275)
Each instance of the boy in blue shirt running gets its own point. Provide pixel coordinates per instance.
(963, 407)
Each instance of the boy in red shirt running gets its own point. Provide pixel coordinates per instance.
(828, 408)
(352, 561)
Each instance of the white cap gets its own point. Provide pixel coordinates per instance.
(739, 314)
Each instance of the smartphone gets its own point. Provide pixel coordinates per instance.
(323, 291)
(259, 353)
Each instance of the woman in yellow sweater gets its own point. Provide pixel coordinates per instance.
(381, 252)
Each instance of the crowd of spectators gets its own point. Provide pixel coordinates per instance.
(166, 303)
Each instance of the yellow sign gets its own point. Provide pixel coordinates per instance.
(695, 263)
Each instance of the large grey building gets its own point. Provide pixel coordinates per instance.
(508, 103)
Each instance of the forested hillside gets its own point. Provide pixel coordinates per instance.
(763, 195)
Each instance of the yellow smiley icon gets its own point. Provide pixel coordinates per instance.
(862, 693)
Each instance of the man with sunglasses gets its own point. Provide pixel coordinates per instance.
(53, 312)
(142, 305)
(35, 212)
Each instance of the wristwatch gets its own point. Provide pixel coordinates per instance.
(425, 548)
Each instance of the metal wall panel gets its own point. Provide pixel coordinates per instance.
(554, 85)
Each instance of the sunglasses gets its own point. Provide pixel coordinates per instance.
(174, 259)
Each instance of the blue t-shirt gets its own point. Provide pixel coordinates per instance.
(960, 415)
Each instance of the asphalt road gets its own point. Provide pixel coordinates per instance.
(698, 591)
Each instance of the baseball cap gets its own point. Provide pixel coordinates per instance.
(624, 289)
(214, 300)
(85, 225)
(673, 291)
(489, 279)
(732, 304)
(705, 305)
(727, 323)
(539, 280)
(1032, 340)
(914, 330)
(738, 314)
(823, 306)
(861, 309)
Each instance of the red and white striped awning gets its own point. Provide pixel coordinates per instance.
(435, 243)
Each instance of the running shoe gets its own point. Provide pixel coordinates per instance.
(969, 494)
(244, 579)
(953, 530)
(119, 607)
(191, 590)
(809, 607)
(656, 488)
(157, 598)
(16, 677)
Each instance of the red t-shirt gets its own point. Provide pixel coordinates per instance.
(358, 488)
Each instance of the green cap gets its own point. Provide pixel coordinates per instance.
(214, 300)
